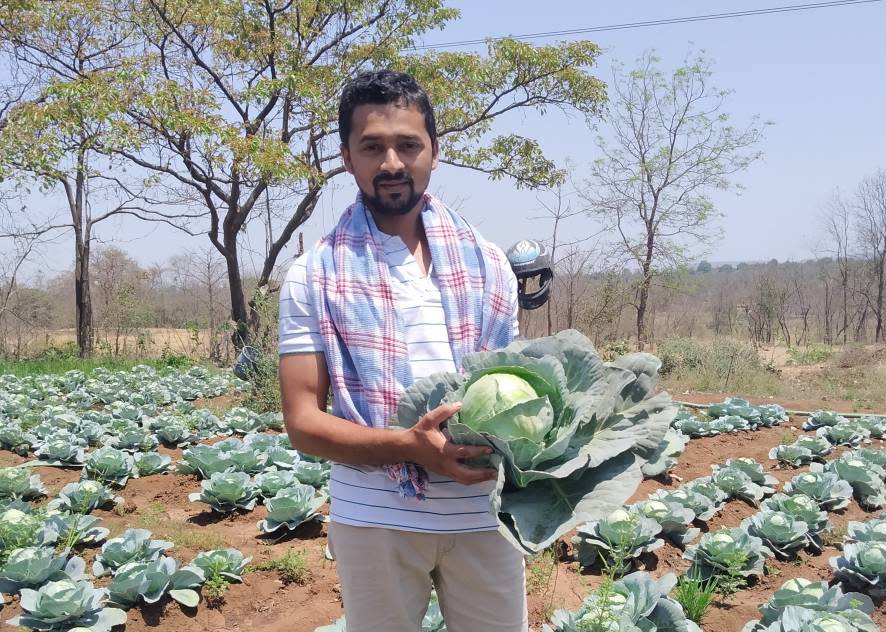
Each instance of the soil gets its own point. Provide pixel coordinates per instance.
(263, 603)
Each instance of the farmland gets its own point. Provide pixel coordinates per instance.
(289, 584)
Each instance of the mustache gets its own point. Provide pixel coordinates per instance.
(396, 178)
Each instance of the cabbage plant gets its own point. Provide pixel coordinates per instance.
(694, 427)
(845, 433)
(870, 531)
(782, 534)
(109, 465)
(67, 530)
(802, 507)
(310, 473)
(204, 460)
(272, 481)
(791, 454)
(243, 421)
(135, 582)
(172, 431)
(291, 507)
(31, 567)
(635, 603)
(227, 564)
(148, 463)
(730, 552)
(735, 407)
(134, 545)
(59, 606)
(862, 565)
(616, 540)
(865, 478)
(797, 619)
(248, 460)
(819, 446)
(20, 528)
(706, 487)
(826, 488)
(570, 433)
(730, 423)
(674, 518)
(877, 457)
(823, 418)
(737, 484)
(135, 440)
(702, 506)
(815, 596)
(83, 497)
(874, 424)
(753, 469)
(14, 439)
(19, 482)
(62, 449)
(226, 492)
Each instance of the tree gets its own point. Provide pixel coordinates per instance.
(69, 74)
(704, 267)
(837, 220)
(575, 263)
(670, 146)
(871, 229)
(238, 104)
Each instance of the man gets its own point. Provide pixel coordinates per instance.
(402, 288)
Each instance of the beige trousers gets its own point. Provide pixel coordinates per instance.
(387, 575)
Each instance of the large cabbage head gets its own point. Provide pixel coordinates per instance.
(507, 406)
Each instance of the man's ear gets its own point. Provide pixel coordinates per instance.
(435, 151)
(346, 157)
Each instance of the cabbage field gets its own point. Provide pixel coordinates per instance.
(154, 500)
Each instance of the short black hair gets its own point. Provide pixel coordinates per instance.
(382, 87)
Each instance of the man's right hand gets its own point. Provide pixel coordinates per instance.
(430, 447)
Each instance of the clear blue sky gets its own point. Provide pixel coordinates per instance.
(817, 75)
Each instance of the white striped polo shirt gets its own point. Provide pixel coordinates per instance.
(365, 495)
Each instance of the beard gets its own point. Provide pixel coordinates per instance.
(394, 204)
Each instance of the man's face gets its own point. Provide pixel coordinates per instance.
(390, 155)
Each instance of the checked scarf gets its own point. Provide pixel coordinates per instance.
(363, 335)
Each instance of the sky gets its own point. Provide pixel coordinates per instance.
(817, 76)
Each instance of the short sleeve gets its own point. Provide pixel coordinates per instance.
(299, 330)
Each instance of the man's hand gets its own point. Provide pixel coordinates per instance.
(430, 448)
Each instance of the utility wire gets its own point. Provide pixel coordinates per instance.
(647, 23)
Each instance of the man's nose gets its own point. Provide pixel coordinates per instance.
(392, 162)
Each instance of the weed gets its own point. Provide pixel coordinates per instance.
(214, 589)
(291, 567)
(811, 354)
(695, 595)
(539, 569)
(193, 538)
(152, 515)
(600, 617)
(731, 581)
(834, 536)
(786, 438)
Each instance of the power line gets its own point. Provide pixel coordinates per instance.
(647, 23)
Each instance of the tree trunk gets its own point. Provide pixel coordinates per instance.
(881, 272)
(83, 297)
(239, 314)
(641, 311)
(82, 242)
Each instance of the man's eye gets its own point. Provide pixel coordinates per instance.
(410, 146)
(372, 147)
